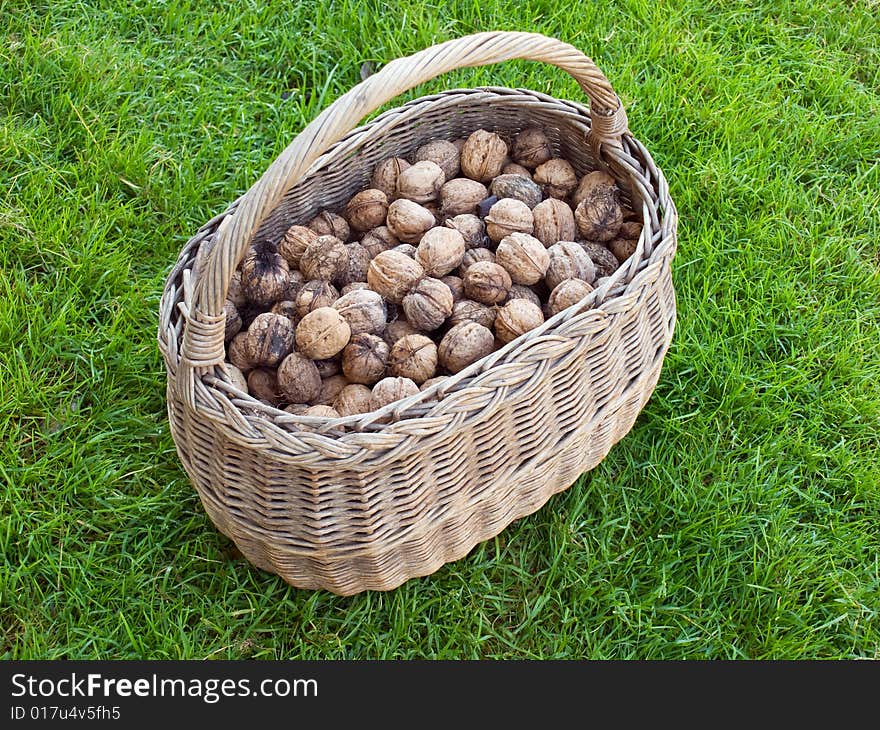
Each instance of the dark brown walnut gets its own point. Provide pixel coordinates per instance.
(518, 291)
(592, 182)
(264, 275)
(413, 357)
(364, 310)
(473, 256)
(524, 257)
(325, 259)
(325, 412)
(463, 345)
(377, 240)
(442, 153)
(408, 221)
(233, 292)
(568, 260)
(358, 263)
(397, 329)
(428, 305)
(606, 262)
(330, 224)
(315, 294)
(235, 376)
(386, 173)
(630, 229)
(455, 284)
(269, 339)
(407, 249)
(486, 205)
(483, 155)
(511, 168)
(367, 209)
(467, 310)
(508, 216)
(298, 379)
(322, 333)
(294, 243)
(237, 353)
(599, 217)
(421, 182)
(517, 187)
(262, 384)
(461, 195)
(471, 228)
(353, 400)
(233, 321)
(393, 275)
(440, 251)
(487, 282)
(330, 389)
(557, 177)
(623, 248)
(329, 367)
(567, 293)
(286, 308)
(554, 222)
(516, 318)
(364, 359)
(390, 390)
(294, 283)
(531, 148)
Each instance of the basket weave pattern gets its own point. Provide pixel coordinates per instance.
(369, 501)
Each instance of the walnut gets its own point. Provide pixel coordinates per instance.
(321, 412)
(592, 182)
(294, 283)
(421, 182)
(473, 256)
(330, 224)
(269, 339)
(569, 261)
(487, 282)
(358, 263)
(599, 216)
(518, 291)
(433, 207)
(606, 262)
(511, 168)
(322, 333)
(515, 318)
(483, 155)
(393, 275)
(377, 240)
(442, 153)
(408, 221)
(407, 249)
(364, 358)
(428, 305)
(461, 195)
(233, 321)
(326, 259)
(507, 216)
(413, 357)
(464, 344)
(330, 389)
(233, 292)
(440, 251)
(557, 177)
(391, 389)
(531, 148)
(630, 229)
(623, 248)
(430, 383)
(467, 310)
(516, 187)
(298, 378)
(353, 400)
(354, 286)
(459, 144)
(367, 209)
(456, 286)
(523, 257)
(486, 205)
(237, 353)
(287, 309)
(364, 310)
(264, 275)
(386, 173)
(297, 409)
(294, 243)
(315, 294)
(235, 377)
(262, 384)
(329, 367)
(471, 228)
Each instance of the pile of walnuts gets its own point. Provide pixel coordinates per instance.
(443, 259)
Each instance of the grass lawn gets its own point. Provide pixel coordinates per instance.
(740, 518)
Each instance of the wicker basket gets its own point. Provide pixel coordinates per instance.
(367, 502)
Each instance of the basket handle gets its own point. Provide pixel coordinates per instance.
(203, 342)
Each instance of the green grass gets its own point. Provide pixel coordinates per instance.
(740, 518)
